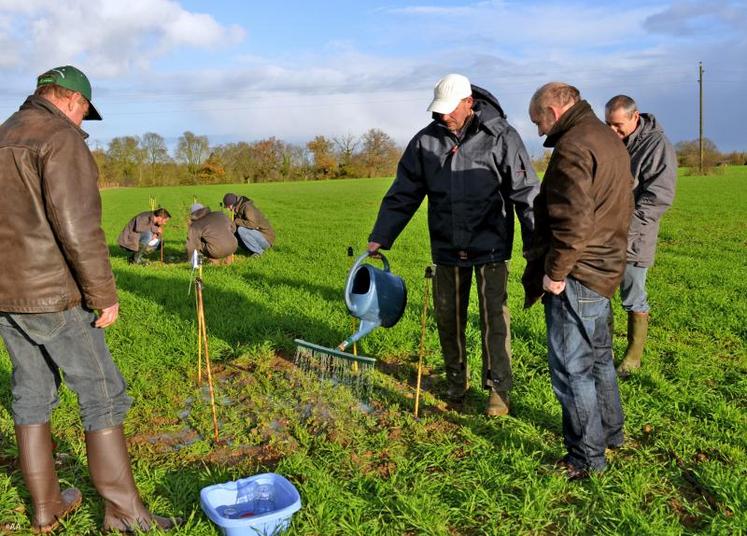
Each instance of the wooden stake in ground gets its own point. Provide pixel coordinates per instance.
(421, 348)
(202, 343)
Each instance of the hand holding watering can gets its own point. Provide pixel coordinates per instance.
(377, 297)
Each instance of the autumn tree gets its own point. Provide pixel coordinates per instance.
(379, 154)
(688, 155)
(155, 153)
(211, 171)
(124, 159)
(192, 150)
(345, 146)
(325, 163)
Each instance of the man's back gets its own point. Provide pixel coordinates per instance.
(587, 186)
(51, 211)
(213, 232)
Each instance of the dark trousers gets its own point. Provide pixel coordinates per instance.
(583, 374)
(451, 288)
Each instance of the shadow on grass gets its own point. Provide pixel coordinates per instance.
(172, 253)
(230, 315)
(327, 293)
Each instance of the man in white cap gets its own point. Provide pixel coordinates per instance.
(474, 169)
(57, 295)
(211, 234)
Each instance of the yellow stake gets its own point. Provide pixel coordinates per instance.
(421, 349)
(203, 327)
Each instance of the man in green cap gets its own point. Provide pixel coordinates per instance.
(57, 294)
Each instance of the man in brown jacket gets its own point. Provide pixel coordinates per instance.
(210, 233)
(253, 229)
(143, 233)
(582, 214)
(56, 273)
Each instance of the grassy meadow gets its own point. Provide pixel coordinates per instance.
(371, 468)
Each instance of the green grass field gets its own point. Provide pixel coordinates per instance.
(371, 468)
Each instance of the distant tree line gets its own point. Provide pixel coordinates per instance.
(146, 161)
(688, 156)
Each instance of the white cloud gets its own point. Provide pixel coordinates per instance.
(107, 37)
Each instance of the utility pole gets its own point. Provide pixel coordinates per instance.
(700, 139)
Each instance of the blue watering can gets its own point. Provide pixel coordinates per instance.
(377, 297)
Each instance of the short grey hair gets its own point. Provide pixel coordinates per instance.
(554, 93)
(621, 102)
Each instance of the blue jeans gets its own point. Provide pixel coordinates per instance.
(633, 289)
(146, 237)
(583, 374)
(41, 346)
(252, 240)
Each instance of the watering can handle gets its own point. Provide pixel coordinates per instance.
(351, 273)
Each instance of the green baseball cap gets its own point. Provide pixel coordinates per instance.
(71, 78)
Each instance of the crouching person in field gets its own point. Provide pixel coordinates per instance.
(57, 276)
(211, 234)
(253, 229)
(143, 233)
(582, 214)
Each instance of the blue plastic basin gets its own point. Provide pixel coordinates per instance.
(260, 505)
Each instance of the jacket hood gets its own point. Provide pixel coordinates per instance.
(35, 102)
(488, 109)
(647, 125)
(201, 213)
(572, 115)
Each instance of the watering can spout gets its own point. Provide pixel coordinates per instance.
(364, 329)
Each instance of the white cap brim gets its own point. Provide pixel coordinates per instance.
(444, 106)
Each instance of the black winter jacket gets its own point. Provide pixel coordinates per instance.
(472, 184)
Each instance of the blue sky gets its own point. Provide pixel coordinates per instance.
(248, 70)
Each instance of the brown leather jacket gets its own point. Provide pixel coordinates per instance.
(583, 210)
(54, 253)
(249, 216)
(129, 238)
(210, 233)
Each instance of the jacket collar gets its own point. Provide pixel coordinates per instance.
(568, 120)
(40, 103)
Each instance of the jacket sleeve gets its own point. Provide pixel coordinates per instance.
(193, 242)
(245, 216)
(570, 209)
(523, 183)
(655, 189)
(73, 208)
(403, 198)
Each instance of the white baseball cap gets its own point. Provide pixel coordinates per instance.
(451, 89)
(195, 207)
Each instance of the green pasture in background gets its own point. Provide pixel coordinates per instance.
(369, 467)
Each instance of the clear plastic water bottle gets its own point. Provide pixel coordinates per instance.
(264, 500)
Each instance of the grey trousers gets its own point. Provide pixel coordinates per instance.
(451, 288)
(44, 348)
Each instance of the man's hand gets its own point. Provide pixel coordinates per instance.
(373, 249)
(107, 316)
(551, 286)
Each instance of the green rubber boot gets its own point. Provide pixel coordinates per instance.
(637, 333)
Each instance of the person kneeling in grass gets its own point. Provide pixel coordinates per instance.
(143, 233)
(211, 234)
(253, 229)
